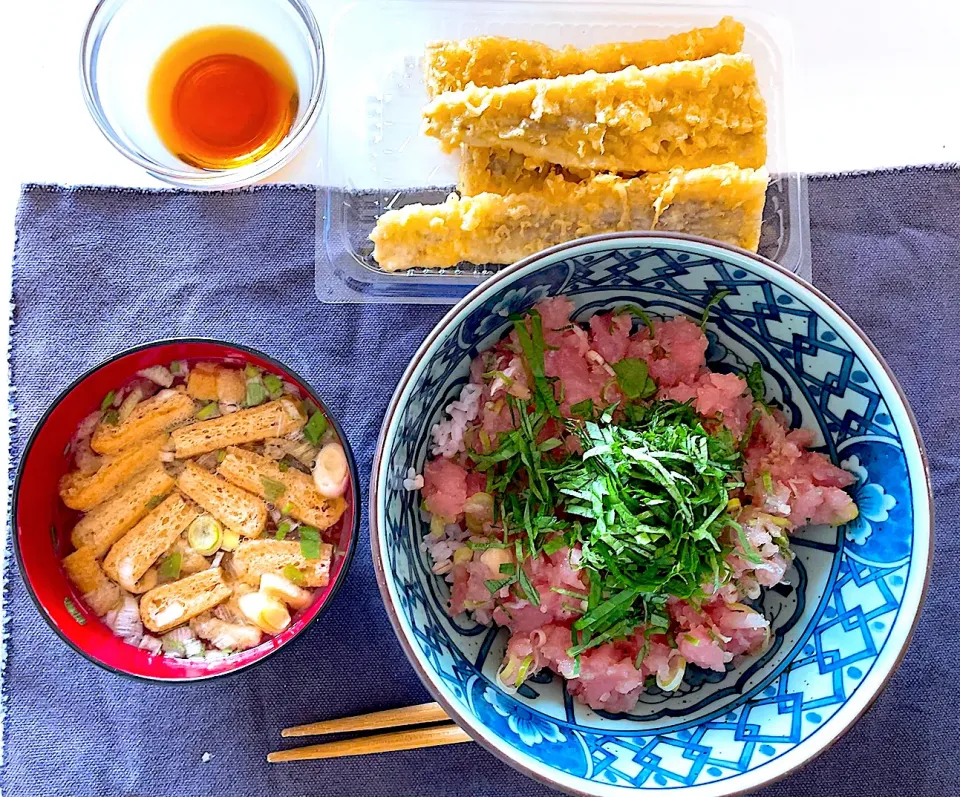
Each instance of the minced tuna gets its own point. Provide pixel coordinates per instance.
(613, 370)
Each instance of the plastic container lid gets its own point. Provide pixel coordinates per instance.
(376, 93)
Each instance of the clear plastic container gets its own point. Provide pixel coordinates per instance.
(376, 93)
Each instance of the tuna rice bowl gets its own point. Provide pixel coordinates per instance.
(617, 505)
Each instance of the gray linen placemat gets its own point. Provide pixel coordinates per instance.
(99, 270)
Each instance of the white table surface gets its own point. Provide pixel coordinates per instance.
(874, 87)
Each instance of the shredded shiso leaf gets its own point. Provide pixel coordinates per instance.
(714, 301)
(754, 378)
(633, 378)
(648, 501)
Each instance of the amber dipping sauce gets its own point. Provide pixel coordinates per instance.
(222, 97)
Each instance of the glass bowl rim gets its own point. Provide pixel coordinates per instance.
(93, 33)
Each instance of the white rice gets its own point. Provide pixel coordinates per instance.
(448, 435)
(414, 481)
(443, 545)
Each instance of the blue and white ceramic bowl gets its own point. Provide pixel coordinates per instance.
(839, 630)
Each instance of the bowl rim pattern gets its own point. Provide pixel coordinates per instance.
(542, 773)
(41, 422)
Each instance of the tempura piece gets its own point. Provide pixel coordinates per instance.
(169, 408)
(720, 202)
(84, 491)
(496, 61)
(705, 202)
(253, 558)
(102, 526)
(290, 491)
(172, 604)
(234, 508)
(135, 553)
(273, 419)
(688, 114)
(495, 170)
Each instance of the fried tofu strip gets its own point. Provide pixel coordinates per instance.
(235, 508)
(254, 558)
(496, 61)
(135, 553)
(98, 591)
(299, 497)
(720, 202)
(202, 382)
(83, 491)
(163, 412)
(273, 419)
(688, 114)
(171, 604)
(211, 382)
(103, 525)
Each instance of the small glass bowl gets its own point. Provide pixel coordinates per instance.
(123, 42)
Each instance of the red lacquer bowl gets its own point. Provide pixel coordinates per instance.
(42, 523)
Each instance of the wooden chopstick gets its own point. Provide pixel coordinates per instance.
(378, 720)
(381, 743)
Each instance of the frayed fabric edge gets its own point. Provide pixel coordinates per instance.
(6, 539)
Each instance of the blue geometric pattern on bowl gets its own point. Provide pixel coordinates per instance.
(838, 628)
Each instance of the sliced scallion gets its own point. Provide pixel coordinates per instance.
(74, 612)
(294, 574)
(315, 428)
(274, 385)
(256, 393)
(209, 411)
(272, 489)
(310, 542)
(170, 567)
